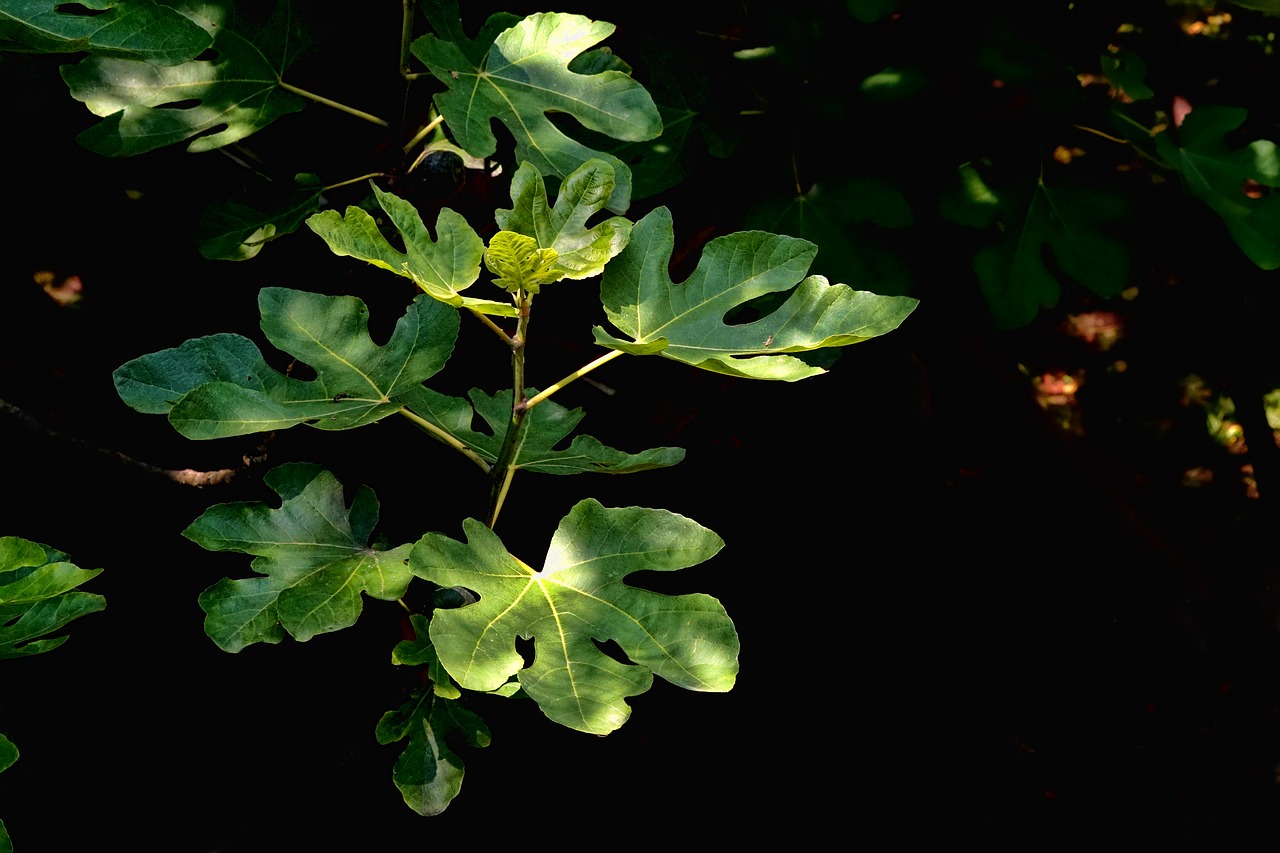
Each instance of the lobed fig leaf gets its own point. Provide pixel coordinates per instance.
(686, 322)
(140, 30)
(211, 101)
(220, 386)
(580, 252)
(442, 268)
(312, 553)
(523, 77)
(579, 599)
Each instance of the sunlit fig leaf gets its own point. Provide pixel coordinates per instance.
(1037, 222)
(220, 385)
(212, 102)
(546, 425)
(442, 268)
(1236, 182)
(847, 220)
(428, 772)
(313, 556)
(124, 29)
(686, 322)
(581, 252)
(524, 76)
(38, 596)
(237, 230)
(577, 600)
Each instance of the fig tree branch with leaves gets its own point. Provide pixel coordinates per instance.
(204, 75)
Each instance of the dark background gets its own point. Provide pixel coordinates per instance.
(958, 621)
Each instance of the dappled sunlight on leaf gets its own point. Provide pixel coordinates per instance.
(1100, 329)
(66, 291)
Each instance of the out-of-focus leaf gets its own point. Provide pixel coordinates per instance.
(1066, 223)
(845, 220)
(1236, 182)
(526, 75)
(581, 252)
(870, 11)
(213, 102)
(546, 425)
(220, 385)
(686, 322)
(8, 755)
(237, 231)
(124, 29)
(578, 599)
(442, 268)
(313, 555)
(38, 595)
(1127, 72)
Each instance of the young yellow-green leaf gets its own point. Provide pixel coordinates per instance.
(313, 555)
(580, 252)
(518, 264)
(220, 385)
(578, 599)
(38, 595)
(442, 268)
(237, 231)
(686, 323)
(546, 425)
(1219, 176)
(125, 29)
(213, 102)
(428, 773)
(526, 75)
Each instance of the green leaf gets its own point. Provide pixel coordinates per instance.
(1064, 222)
(577, 600)
(428, 773)
(38, 595)
(518, 264)
(580, 252)
(1221, 176)
(312, 552)
(546, 425)
(846, 220)
(524, 76)
(445, 18)
(237, 231)
(1127, 72)
(686, 322)
(140, 30)
(8, 755)
(213, 102)
(220, 385)
(442, 268)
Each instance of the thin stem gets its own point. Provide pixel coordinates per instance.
(422, 134)
(448, 439)
(406, 34)
(337, 106)
(503, 470)
(484, 318)
(367, 177)
(577, 374)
